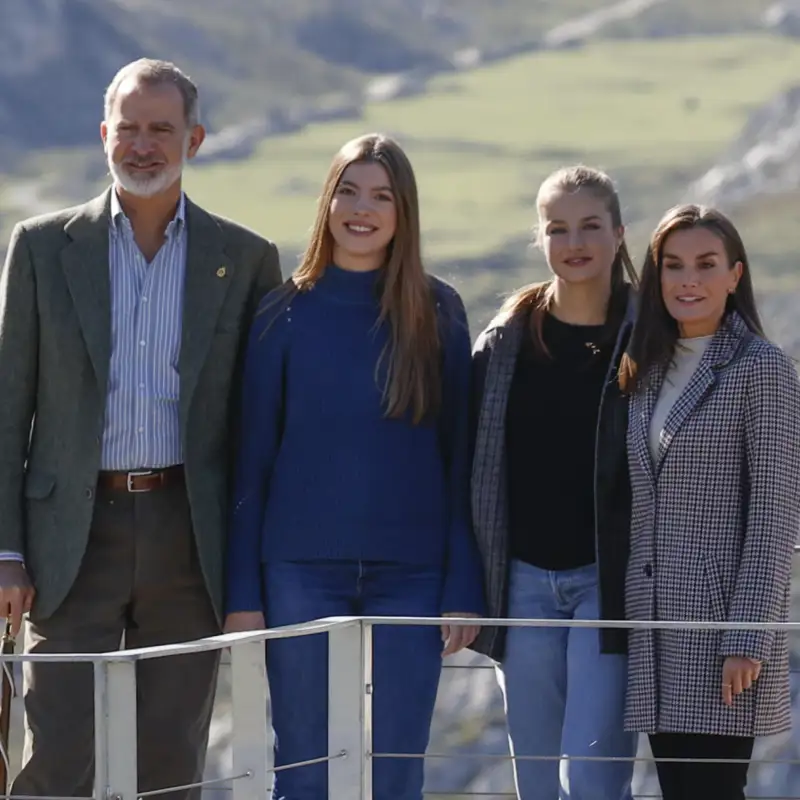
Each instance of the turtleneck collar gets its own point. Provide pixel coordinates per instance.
(348, 286)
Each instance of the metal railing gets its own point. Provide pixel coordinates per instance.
(115, 708)
(350, 755)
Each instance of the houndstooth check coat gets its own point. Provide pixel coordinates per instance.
(714, 522)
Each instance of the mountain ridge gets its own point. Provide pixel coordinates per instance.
(253, 57)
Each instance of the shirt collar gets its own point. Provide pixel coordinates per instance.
(118, 216)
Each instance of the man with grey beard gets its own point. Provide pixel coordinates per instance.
(123, 324)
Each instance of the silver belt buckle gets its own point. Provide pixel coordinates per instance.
(136, 474)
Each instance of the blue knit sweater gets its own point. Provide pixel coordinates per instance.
(321, 472)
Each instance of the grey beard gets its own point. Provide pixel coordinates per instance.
(148, 187)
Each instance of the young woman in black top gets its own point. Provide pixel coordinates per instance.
(551, 497)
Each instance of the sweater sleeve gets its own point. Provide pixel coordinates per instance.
(772, 444)
(463, 588)
(258, 441)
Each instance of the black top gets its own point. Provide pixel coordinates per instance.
(551, 427)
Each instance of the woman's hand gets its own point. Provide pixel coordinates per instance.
(738, 674)
(457, 637)
(241, 621)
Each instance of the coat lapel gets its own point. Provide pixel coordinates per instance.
(85, 263)
(699, 385)
(489, 458)
(611, 390)
(718, 354)
(642, 407)
(208, 275)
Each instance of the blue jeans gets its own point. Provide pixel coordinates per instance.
(563, 697)
(407, 662)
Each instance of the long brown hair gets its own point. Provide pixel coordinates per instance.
(656, 331)
(537, 298)
(406, 298)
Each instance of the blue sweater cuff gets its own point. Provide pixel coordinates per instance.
(244, 594)
(463, 585)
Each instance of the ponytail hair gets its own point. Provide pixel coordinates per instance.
(536, 299)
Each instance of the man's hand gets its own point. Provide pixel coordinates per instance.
(16, 593)
(738, 674)
(241, 621)
(457, 637)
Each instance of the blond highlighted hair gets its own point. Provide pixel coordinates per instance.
(537, 298)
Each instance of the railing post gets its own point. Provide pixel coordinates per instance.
(350, 712)
(115, 730)
(249, 712)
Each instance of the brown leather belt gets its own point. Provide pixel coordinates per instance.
(140, 480)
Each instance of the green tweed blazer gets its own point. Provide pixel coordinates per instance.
(55, 346)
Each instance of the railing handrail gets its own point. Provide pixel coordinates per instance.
(219, 642)
(507, 622)
(328, 624)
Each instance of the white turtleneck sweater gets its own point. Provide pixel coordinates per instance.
(685, 361)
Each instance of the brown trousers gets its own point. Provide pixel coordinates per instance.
(140, 578)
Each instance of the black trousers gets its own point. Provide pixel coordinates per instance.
(697, 781)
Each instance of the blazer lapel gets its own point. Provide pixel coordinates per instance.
(85, 263)
(718, 354)
(208, 276)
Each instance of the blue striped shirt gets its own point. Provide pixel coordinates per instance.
(141, 421)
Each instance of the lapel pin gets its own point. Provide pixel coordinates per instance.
(222, 272)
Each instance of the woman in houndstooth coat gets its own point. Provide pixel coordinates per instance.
(714, 453)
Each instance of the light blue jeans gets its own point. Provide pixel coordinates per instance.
(562, 696)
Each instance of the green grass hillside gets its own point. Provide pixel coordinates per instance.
(654, 113)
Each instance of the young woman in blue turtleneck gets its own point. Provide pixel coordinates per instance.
(352, 483)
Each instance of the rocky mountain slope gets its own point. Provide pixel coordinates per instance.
(257, 58)
(759, 174)
(763, 160)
